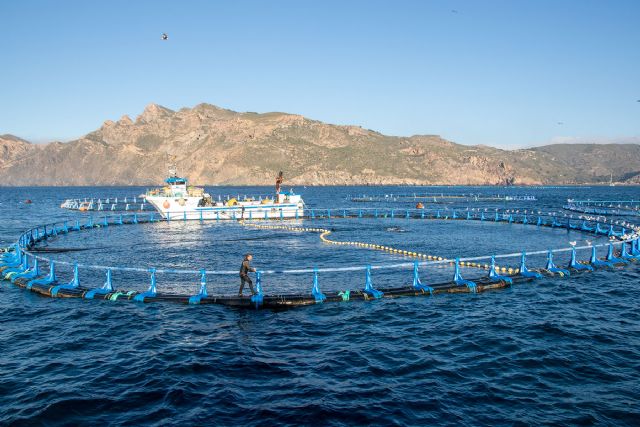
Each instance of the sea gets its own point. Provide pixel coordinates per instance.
(555, 351)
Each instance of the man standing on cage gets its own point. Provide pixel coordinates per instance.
(245, 268)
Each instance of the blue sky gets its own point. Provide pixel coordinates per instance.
(501, 73)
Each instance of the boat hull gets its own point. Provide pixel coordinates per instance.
(187, 208)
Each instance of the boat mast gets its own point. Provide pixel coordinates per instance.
(172, 166)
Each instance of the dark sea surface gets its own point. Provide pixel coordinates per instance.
(555, 351)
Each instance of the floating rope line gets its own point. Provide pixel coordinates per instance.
(373, 246)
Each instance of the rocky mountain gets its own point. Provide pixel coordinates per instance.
(596, 162)
(12, 148)
(212, 145)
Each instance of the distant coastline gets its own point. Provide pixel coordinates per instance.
(223, 147)
(297, 187)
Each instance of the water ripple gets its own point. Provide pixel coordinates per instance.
(544, 353)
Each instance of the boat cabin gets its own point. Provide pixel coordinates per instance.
(177, 186)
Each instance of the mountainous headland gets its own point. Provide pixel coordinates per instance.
(215, 146)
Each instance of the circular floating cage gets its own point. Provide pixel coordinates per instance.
(38, 263)
(620, 208)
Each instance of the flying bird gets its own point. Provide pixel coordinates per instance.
(560, 123)
(165, 36)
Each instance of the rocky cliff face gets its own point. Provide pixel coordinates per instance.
(212, 145)
(13, 148)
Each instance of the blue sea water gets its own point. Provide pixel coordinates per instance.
(557, 351)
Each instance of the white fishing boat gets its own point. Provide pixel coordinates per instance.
(178, 200)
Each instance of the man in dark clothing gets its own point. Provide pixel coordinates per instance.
(245, 268)
(279, 180)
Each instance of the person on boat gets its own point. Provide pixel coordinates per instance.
(245, 269)
(279, 180)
